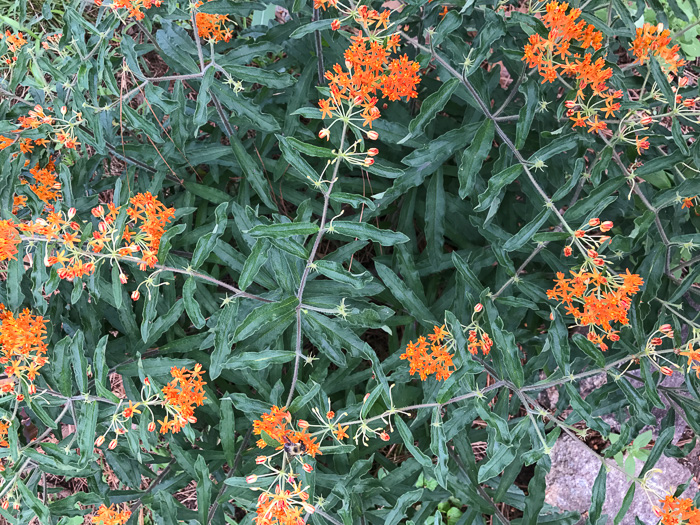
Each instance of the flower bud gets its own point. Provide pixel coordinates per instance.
(478, 307)
(99, 441)
(656, 341)
(151, 426)
(384, 436)
(303, 424)
(97, 211)
(72, 212)
(614, 337)
(64, 110)
(666, 371)
(20, 397)
(570, 104)
(330, 414)
(372, 152)
(657, 511)
(646, 120)
(102, 227)
(665, 328)
(551, 316)
(135, 295)
(192, 420)
(112, 444)
(594, 222)
(307, 467)
(335, 24)
(32, 388)
(682, 82)
(598, 261)
(372, 135)
(251, 479)
(15, 505)
(606, 226)
(592, 254)
(5, 505)
(567, 251)
(260, 460)
(368, 161)
(366, 397)
(324, 133)
(122, 278)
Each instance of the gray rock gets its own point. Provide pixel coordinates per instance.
(574, 470)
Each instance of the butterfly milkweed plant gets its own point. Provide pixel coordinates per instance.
(351, 263)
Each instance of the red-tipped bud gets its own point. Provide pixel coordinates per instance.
(102, 227)
(594, 222)
(335, 24)
(614, 337)
(72, 212)
(364, 400)
(99, 441)
(372, 152)
(384, 436)
(665, 328)
(5, 505)
(251, 479)
(592, 254)
(567, 251)
(579, 234)
(368, 161)
(32, 388)
(666, 371)
(551, 316)
(324, 133)
(372, 135)
(307, 467)
(260, 460)
(646, 120)
(20, 397)
(656, 341)
(606, 226)
(135, 295)
(123, 278)
(15, 505)
(112, 444)
(151, 426)
(303, 424)
(97, 211)
(598, 261)
(570, 104)
(478, 307)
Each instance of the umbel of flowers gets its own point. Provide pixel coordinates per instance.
(596, 296)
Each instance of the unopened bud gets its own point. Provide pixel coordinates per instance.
(72, 212)
(666, 371)
(594, 222)
(335, 24)
(372, 135)
(384, 436)
(646, 120)
(598, 261)
(592, 254)
(151, 426)
(567, 251)
(260, 460)
(135, 295)
(478, 307)
(368, 161)
(682, 82)
(251, 479)
(372, 152)
(99, 441)
(606, 226)
(570, 104)
(324, 133)
(112, 444)
(307, 467)
(122, 278)
(665, 328)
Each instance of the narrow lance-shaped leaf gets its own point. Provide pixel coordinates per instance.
(473, 157)
(430, 107)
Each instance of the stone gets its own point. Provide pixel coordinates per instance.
(575, 468)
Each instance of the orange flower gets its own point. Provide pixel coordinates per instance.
(212, 26)
(153, 216)
(45, 186)
(341, 432)
(283, 506)
(688, 202)
(654, 40)
(596, 299)
(678, 511)
(9, 240)
(433, 358)
(5, 142)
(277, 424)
(642, 144)
(182, 394)
(693, 358)
(110, 516)
(22, 344)
(134, 7)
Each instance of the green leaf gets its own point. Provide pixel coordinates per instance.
(271, 313)
(407, 297)
(251, 171)
(438, 446)
(502, 456)
(435, 217)
(661, 80)
(626, 504)
(409, 443)
(255, 261)
(265, 77)
(227, 431)
(406, 500)
(79, 362)
(589, 349)
(526, 233)
(192, 308)
(473, 157)
(496, 183)
(283, 230)
(317, 25)
(258, 360)
(430, 107)
(598, 496)
(367, 232)
(223, 338)
(334, 270)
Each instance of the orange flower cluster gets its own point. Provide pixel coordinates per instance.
(111, 516)
(63, 130)
(654, 40)
(370, 20)
(277, 424)
(22, 347)
(4, 428)
(9, 240)
(45, 186)
(678, 511)
(14, 42)
(431, 358)
(368, 71)
(690, 202)
(212, 26)
(552, 56)
(182, 394)
(133, 7)
(283, 506)
(693, 358)
(149, 216)
(596, 299)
